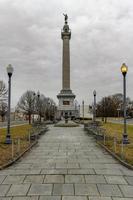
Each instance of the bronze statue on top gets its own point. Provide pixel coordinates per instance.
(66, 18)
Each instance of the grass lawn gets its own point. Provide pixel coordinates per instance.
(21, 132)
(116, 130)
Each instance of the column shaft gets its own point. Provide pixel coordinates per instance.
(66, 64)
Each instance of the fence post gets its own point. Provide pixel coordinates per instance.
(104, 138)
(29, 138)
(115, 141)
(122, 150)
(12, 148)
(18, 145)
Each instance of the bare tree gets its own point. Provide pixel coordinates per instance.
(112, 106)
(26, 104)
(40, 105)
(3, 89)
(44, 107)
(3, 110)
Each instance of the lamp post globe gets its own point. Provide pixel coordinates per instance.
(124, 70)
(94, 92)
(9, 70)
(38, 94)
(8, 135)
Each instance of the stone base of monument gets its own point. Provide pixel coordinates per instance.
(69, 123)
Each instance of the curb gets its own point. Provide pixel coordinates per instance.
(116, 157)
(18, 157)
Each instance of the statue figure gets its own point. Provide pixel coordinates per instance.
(66, 18)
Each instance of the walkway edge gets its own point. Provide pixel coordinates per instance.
(18, 157)
(116, 157)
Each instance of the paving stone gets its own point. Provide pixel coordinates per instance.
(54, 171)
(63, 189)
(21, 172)
(115, 180)
(49, 166)
(127, 172)
(2, 177)
(100, 198)
(95, 179)
(109, 190)
(54, 179)
(4, 189)
(127, 190)
(74, 198)
(81, 171)
(34, 179)
(50, 198)
(18, 190)
(86, 189)
(26, 198)
(108, 172)
(115, 198)
(72, 165)
(22, 166)
(61, 165)
(74, 179)
(13, 179)
(129, 179)
(40, 189)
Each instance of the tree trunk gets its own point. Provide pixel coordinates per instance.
(105, 119)
(2, 118)
(29, 118)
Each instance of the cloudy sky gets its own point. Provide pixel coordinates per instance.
(102, 39)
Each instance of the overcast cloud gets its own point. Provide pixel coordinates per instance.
(102, 39)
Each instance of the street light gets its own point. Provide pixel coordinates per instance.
(79, 110)
(124, 70)
(49, 107)
(83, 110)
(53, 110)
(8, 135)
(38, 96)
(94, 108)
(34, 95)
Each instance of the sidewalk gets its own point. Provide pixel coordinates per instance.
(67, 164)
(13, 123)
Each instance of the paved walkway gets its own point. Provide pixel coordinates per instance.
(13, 123)
(67, 164)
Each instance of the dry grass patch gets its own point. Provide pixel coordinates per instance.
(19, 135)
(116, 130)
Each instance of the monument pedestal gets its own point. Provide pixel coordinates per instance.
(66, 103)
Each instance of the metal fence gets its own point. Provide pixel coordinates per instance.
(20, 144)
(113, 143)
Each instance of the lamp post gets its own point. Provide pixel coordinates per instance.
(49, 105)
(83, 110)
(53, 110)
(34, 95)
(79, 111)
(38, 96)
(94, 108)
(124, 70)
(8, 135)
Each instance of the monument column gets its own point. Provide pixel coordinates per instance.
(66, 35)
(66, 97)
